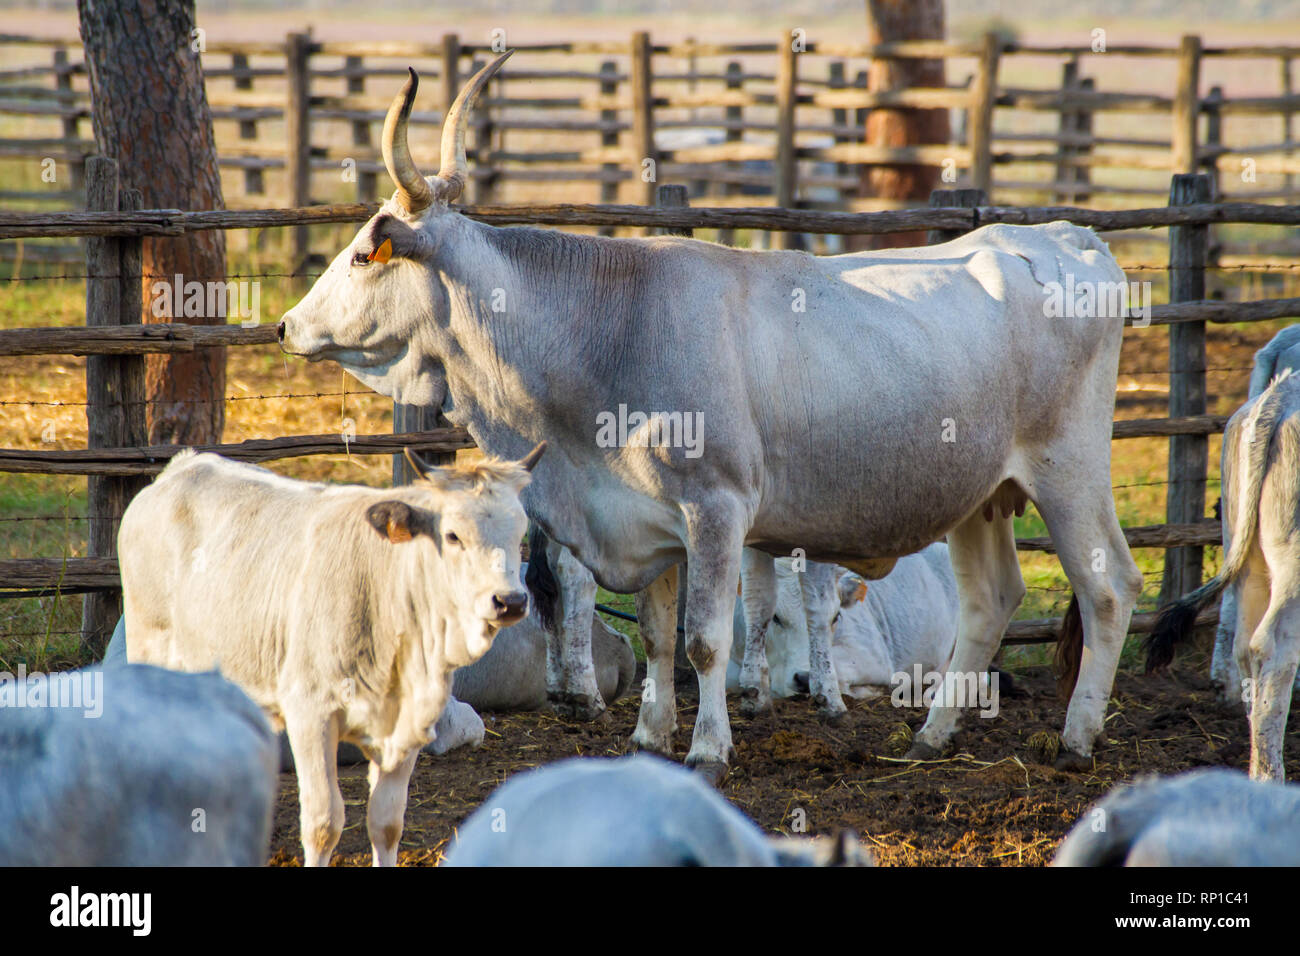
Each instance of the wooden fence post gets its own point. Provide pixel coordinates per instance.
(1187, 105)
(450, 71)
(71, 125)
(115, 392)
(367, 182)
(1075, 124)
(1288, 126)
(643, 121)
(1188, 454)
(672, 196)
(950, 199)
(297, 120)
(489, 174)
(254, 183)
(608, 138)
(979, 129)
(735, 123)
(786, 167)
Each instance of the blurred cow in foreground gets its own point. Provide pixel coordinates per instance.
(1211, 817)
(631, 811)
(149, 768)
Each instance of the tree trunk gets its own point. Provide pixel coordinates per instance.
(889, 21)
(151, 115)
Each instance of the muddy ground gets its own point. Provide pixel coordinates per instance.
(993, 802)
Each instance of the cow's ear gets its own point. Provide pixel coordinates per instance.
(393, 519)
(391, 238)
(852, 589)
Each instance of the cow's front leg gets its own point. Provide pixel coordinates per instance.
(758, 596)
(820, 605)
(571, 687)
(315, 744)
(386, 810)
(656, 613)
(714, 538)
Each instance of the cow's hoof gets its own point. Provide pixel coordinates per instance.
(1072, 762)
(656, 747)
(576, 706)
(828, 713)
(922, 751)
(754, 702)
(714, 771)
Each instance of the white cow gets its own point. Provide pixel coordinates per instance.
(1261, 544)
(1281, 354)
(907, 618)
(632, 811)
(702, 399)
(147, 768)
(1209, 817)
(352, 606)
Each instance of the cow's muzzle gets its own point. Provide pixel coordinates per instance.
(509, 606)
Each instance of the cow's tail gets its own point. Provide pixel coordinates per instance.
(540, 578)
(1248, 441)
(1069, 650)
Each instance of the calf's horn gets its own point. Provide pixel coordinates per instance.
(413, 191)
(455, 169)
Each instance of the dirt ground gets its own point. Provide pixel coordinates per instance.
(993, 802)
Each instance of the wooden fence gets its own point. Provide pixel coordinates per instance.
(785, 122)
(115, 460)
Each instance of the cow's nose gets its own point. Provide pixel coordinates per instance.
(279, 332)
(513, 604)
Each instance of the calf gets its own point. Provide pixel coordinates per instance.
(633, 811)
(1210, 817)
(343, 610)
(153, 768)
(907, 618)
(1261, 544)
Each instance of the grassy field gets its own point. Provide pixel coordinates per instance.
(41, 398)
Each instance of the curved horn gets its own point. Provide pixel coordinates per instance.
(455, 168)
(413, 191)
(530, 460)
(420, 467)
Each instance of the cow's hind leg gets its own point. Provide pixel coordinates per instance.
(315, 745)
(989, 589)
(1080, 516)
(715, 536)
(386, 809)
(758, 595)
(656, 612)
(571, 686)
(1274, 650)
(820, 603)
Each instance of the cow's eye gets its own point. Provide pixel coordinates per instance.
(361, 259)
(836, 619)
(452, 538)
(777, 621)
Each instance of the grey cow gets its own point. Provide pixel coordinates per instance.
(631, 811)
(1210, 817)
(176, 769)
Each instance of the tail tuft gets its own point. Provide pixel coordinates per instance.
(540, 579)
(1069, 650)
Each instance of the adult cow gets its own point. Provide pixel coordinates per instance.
(353, 606)
(700, 399)
(1261, 562)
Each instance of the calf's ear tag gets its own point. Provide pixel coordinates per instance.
(383, 253)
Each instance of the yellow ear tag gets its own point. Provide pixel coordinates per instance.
(383, 253)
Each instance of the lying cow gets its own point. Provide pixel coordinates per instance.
(1209, 817)
(632, 811)
(1281, 354)
(343, 610)
(150, 768)
(1261, 562)
(907, 618)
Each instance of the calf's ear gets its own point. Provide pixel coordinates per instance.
(393, 519)
(852, 589)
